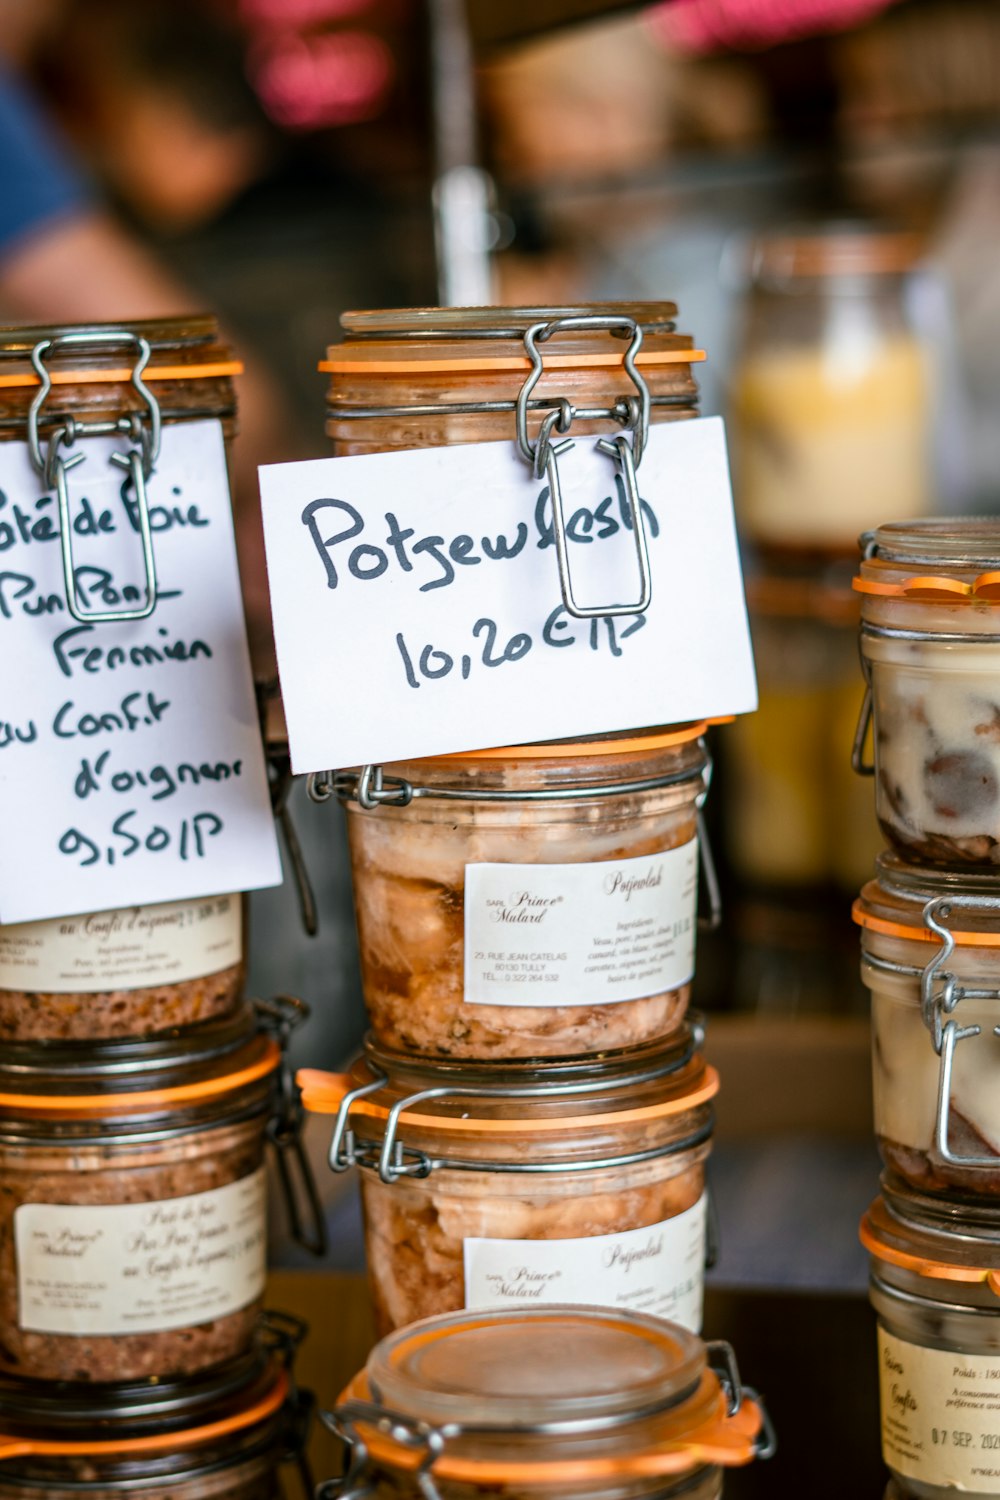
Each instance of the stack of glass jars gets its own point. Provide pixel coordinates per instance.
(829, 420)
(137, 1092)
(532, 1112)
(930, 925)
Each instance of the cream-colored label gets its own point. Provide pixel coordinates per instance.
(581, 934)
(140, 1267)
(132, 949)
(940, 1415)
(659, 1269)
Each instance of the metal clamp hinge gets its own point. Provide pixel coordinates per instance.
(407, 1431)
(543, 456)
(138, 461)
(279, 1017)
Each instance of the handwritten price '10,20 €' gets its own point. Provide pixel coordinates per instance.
(431, 662)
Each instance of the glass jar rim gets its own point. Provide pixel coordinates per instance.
(832, 249)
(906, 890)
(949, 1239)
(618, 742)
(424, 322)
(958, 541)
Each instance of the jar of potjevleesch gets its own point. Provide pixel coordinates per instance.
(223, 1434)
(935, 1286)
(132, 1199)
(511, 1183)
(536, 901)
(556, 1403)
(930, 644)
(930, 942)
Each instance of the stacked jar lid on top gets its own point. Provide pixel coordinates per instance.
(137, 1091)
(930, 933)
(532, 1112)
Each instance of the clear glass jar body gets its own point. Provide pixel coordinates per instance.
(700, 1484)
(933, 664)
(254, 1479)
(412, 867)
(76, 979)
(104, 1276)
(906, 1068)
(938, 1341)
(830, 399)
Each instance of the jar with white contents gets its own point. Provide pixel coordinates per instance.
(930, 645)
(935, 1286)
(516, 1184)
(556, 1403)
(534, 901)
(930, 943)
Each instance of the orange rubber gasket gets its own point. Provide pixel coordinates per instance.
(158, 1442)
(181, 1093)
(509, 362)
(117, 377)
(719, 1439)
(935, 589)
(323, 1094)
(584, 747)
(920, 934)
(935, 1270)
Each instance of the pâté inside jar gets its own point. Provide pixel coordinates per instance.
(516, 1184)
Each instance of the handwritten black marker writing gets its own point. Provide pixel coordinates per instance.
(133, 712)
(17, 734)
(333, 523)
(163, 781)
(431, 662)
(96, 587)
(72, 658)
(188, 840)
(22, 525)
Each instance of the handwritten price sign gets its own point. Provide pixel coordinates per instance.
(131, 768)
(417, 606)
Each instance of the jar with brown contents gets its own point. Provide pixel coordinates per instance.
(553, 1403)
(513, 1183)
(537, 901)
(220, 1435)
(132, 1201)
(126, 973)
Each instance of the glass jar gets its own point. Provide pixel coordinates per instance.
(930, 944)
(132, 1200)
(935, 1286)
(536, 901)
(830, 400)
(800, 818)
(507, 1184)
(552, 1403)
(930, 645)
(219, 1435)
(121, 973)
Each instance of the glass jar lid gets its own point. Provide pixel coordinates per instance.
(946, 1239)
(67, 1081)
(909, 901)
(407, 1116)
(554, 1394)
(943, 561)
(843, 248)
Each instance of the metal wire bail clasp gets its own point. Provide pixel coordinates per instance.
(138, 461)
(632, 411)
(937, 1005)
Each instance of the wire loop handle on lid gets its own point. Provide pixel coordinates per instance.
(544, 455)
(137, 461)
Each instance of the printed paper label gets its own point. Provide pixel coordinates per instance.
(583, 934)
(140, 1267)
(440, 566)
(123, 950)
(131, 763)
(658, 1270)
(940, 1415)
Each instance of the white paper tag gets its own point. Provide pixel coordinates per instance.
(435, 570)
(123, 950)
(658, 1270)
(580, 934)
(131, 766)
(940, 1415)
(140, 1267)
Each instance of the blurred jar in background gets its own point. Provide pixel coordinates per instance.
(830, 400)
(796, 814)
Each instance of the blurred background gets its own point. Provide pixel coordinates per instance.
(816, 184)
